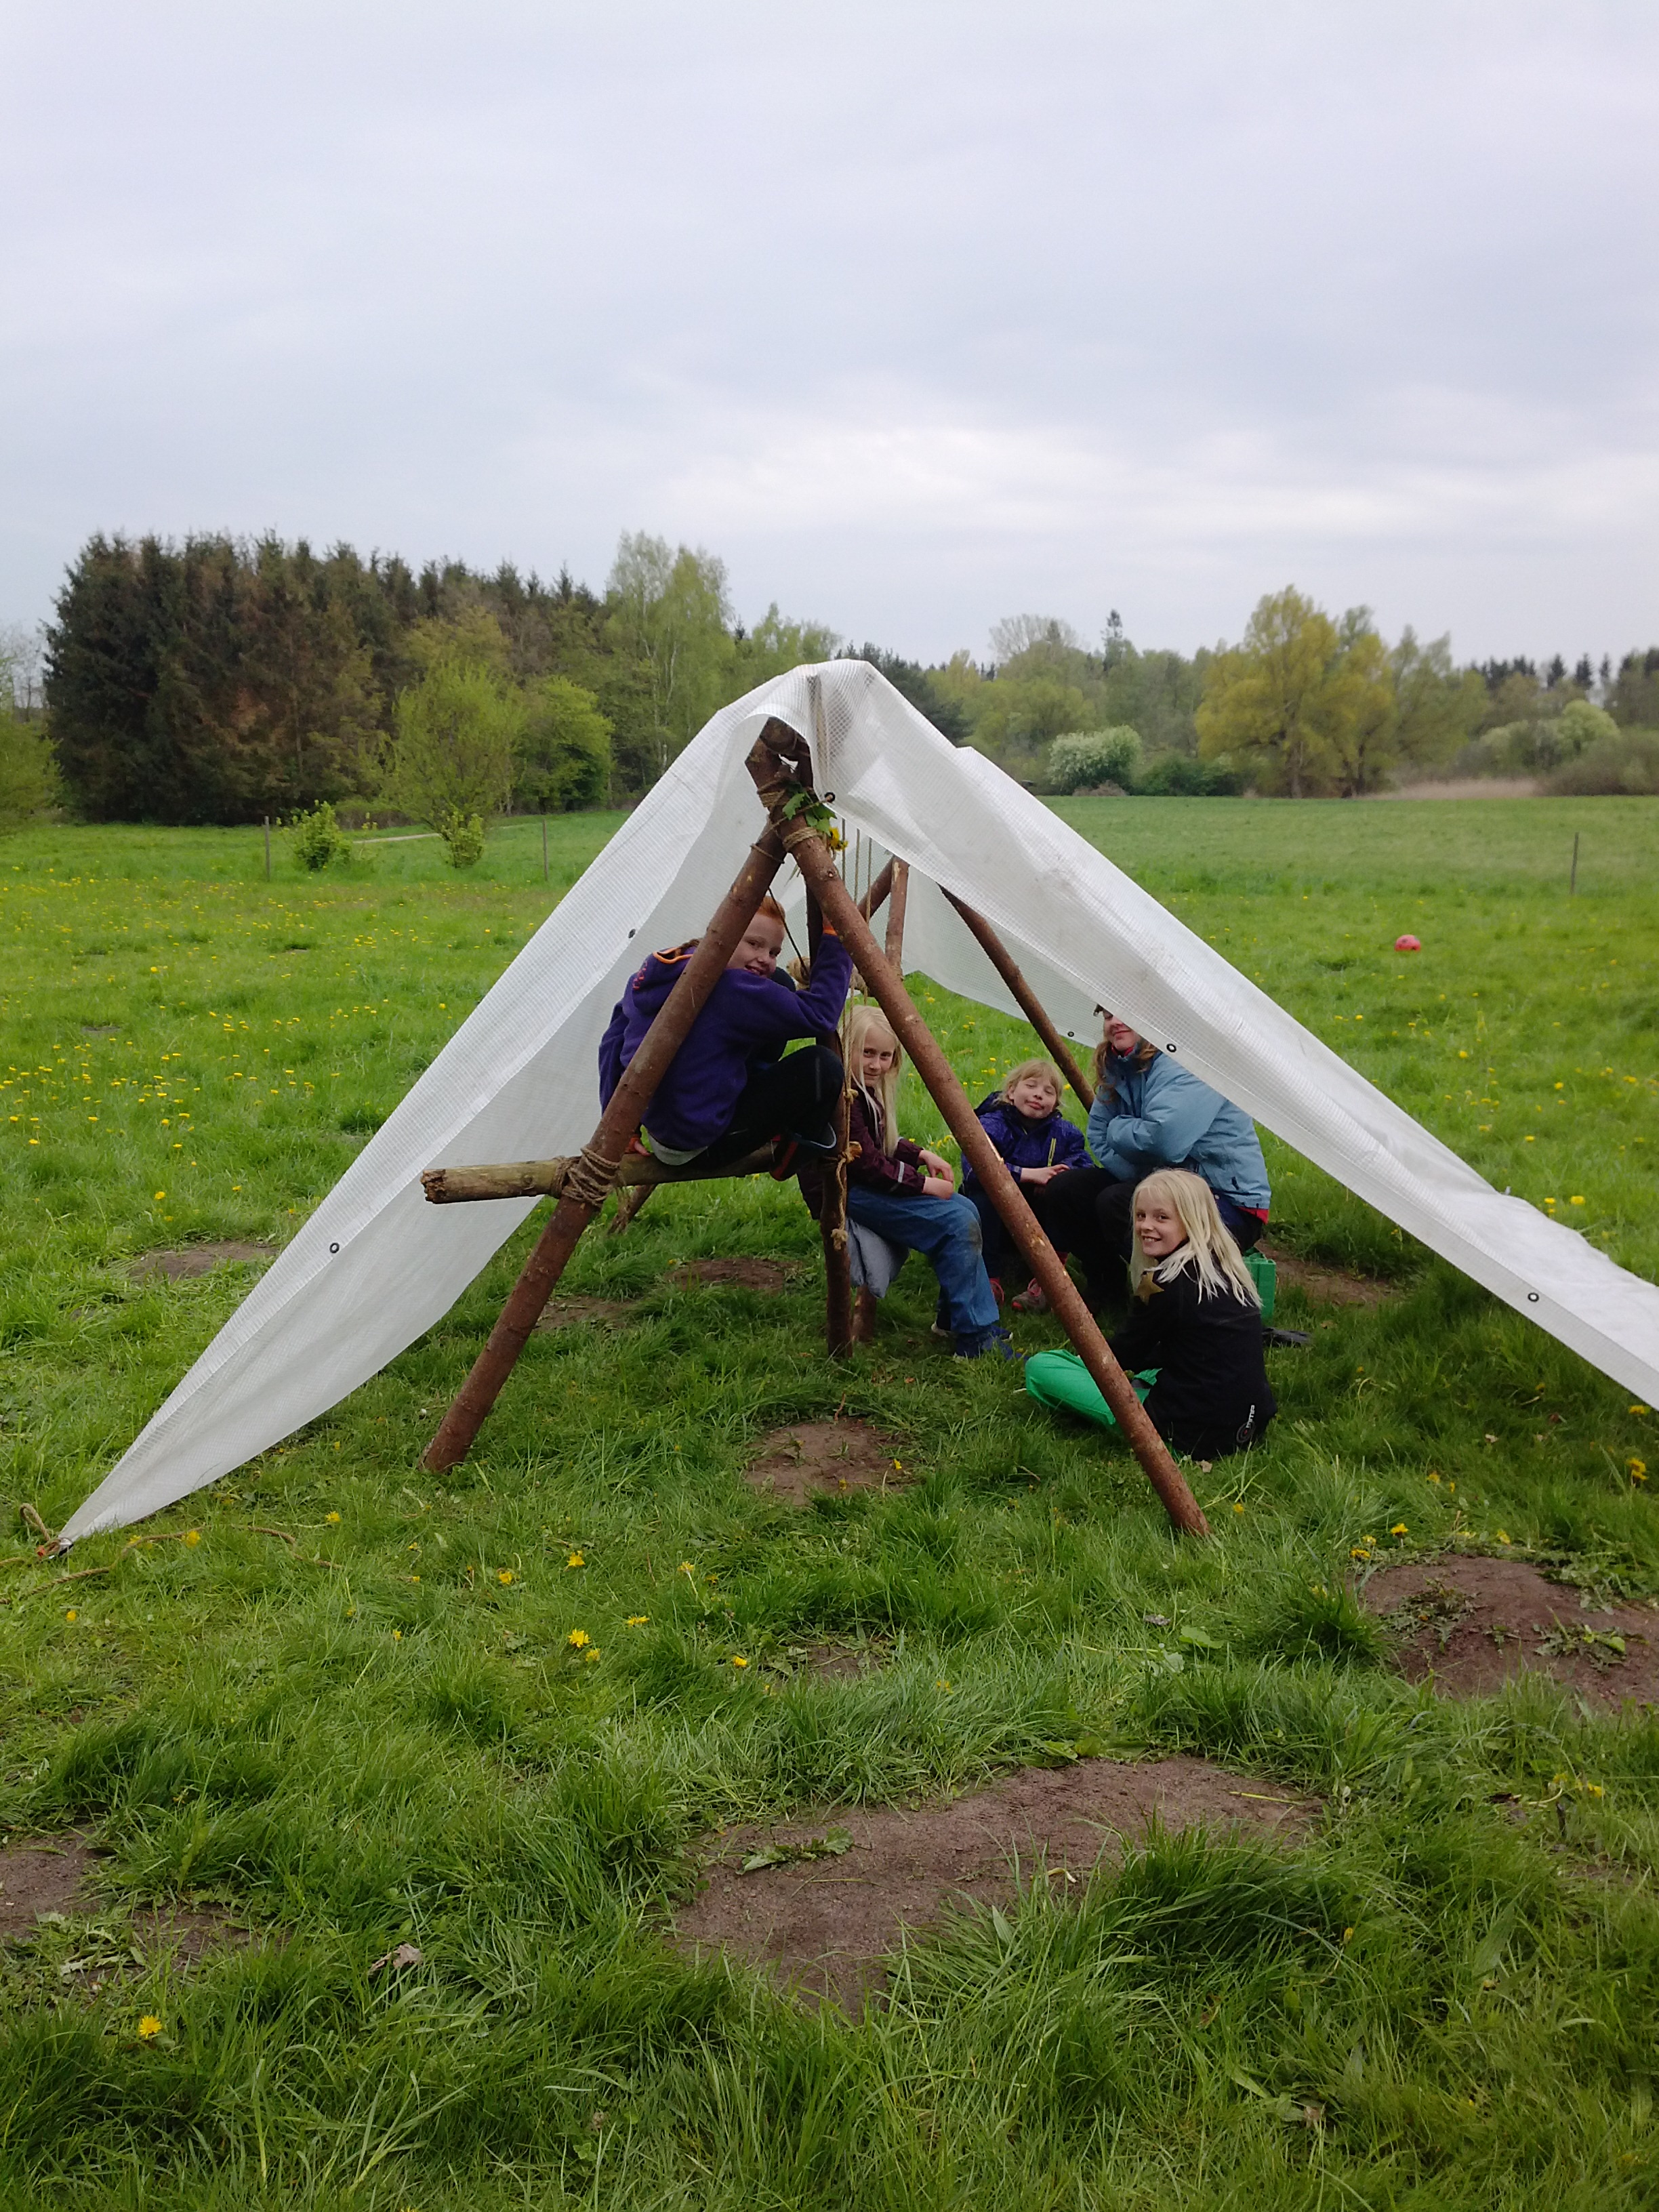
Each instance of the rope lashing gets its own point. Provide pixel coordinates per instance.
(587, 1176)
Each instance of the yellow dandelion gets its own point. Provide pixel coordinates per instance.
(396, 1636)
(737, 1660)
(1399, 1529)
(577, 1638)
(637, 1620)
(1434, 1475)
(1502, 1536)
(592, 1652)
(160, 1194)
(1347, 1934)
(192, 1537)
(149, 2025)
(1641, 1409)
(575, 1560)
(505, 1576)
(1574, 1201)
(1238, 1505)
(333, 1519)
(1638, 1469)
(71, 1614)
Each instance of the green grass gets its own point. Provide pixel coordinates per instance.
(402, 1745)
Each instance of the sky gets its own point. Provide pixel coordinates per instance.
(918, 315)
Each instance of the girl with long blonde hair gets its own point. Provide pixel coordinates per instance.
(906, 1195)
(1192, 1342)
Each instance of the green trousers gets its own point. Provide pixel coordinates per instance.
(1060, 1378)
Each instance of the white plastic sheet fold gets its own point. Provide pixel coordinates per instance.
(375, 1265)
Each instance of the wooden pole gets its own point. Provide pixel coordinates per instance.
(878, 891)
(832, 1209)
(535, 1178)
(897, 901)
(1027, 1000)
(603, 1156)
(779, 766)
(896, 876)
(629, 1208)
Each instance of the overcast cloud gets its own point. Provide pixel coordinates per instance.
(918, 314)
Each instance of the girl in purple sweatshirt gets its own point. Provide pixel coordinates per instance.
(729, 1089)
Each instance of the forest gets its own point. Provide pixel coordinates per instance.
(219, 680)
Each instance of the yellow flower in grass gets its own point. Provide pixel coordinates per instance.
(333, 1519)
(737, 1660)
(637, 1620)
(1399, 1529)
(1638, 1469)
(505, 1576)
(192, 1536)
(575, 1559)
(71, 1614)
(578, 1639)
(1502, 1536)
(149, 2025)
(1641, 1409)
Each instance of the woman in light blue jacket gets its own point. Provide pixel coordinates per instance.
(1149, 1112)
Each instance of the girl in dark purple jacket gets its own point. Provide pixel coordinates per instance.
(1024, 1122)
(907, 1194)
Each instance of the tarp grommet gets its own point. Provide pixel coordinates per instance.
(333, 1248)
(1532, 1297)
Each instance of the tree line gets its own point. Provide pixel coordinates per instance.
(219, 679)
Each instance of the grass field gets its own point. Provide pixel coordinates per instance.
(374, 1727)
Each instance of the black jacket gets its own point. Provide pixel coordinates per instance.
(1212, 1396)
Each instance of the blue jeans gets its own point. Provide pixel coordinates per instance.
(946, 1232)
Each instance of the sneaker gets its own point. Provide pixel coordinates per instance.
(986, 1344)
(821, 1139)
(1032, 1299)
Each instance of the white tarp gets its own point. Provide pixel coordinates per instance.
(375, 1265)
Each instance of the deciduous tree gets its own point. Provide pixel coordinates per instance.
(1271, 703)
(452, 757)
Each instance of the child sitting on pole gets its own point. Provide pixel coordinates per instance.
(1024, 1122)
(908, 1195)
(729, 1091)
(1192, 1342)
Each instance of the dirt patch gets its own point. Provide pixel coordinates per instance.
(1326, 1287)
(51, 1875)
(836, 1662)
(46, 1875)
(743, 1274)
(566, 1313)
(197, 1259)
(826, 1459)
(1468, 1625)
(190, 1931)
(831, 1906)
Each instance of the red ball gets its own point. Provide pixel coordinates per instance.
(1408, 945)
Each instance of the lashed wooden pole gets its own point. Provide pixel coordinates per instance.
(590, 1182)
(832, 1205)
(781, 769)
(1025, 998)
(463, 1186)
